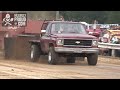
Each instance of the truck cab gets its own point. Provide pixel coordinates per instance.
(65, 39)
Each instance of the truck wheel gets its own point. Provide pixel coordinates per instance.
(35, 53)
(52, 56)
(70, 59)
(92, 59)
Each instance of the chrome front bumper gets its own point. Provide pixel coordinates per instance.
(76, 50)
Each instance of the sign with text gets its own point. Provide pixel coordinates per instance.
(14, 19)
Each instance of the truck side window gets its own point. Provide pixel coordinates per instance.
(44, 26)
(48, 29)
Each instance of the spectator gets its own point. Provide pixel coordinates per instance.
(94, 25)
(107, 36)
(114, 40)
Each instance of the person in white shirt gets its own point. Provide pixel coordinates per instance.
(114, 39)
(107, 36)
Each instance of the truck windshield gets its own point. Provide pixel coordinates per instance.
(67, 28)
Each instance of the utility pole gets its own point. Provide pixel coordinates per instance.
(57, 15)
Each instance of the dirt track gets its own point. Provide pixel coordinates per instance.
(107, 68)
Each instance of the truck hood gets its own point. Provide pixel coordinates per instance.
(80, 36)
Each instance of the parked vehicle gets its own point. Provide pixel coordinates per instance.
(96, 32)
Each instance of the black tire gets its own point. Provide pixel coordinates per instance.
(52, 56)
(70, 59)
(35, 53)
(92, 58)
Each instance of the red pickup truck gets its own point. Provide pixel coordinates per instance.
(93, 32)
(64, 39)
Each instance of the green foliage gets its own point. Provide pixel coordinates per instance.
(114, 17)
(90, 16)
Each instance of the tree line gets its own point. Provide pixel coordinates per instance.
(89, 16)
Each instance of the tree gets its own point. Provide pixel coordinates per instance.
(113, 17)
(87, 16)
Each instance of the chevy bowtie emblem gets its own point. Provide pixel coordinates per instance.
(77, 42)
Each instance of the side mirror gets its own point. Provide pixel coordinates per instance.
(42, 32)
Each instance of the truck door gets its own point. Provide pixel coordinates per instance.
(45, 39)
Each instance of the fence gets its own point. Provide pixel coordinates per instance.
(115, 48)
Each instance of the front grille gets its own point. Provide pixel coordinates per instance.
(77, 42)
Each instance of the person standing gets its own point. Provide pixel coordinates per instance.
(108, 36)
(95, 25)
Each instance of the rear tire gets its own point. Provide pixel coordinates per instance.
(70, 59)
(35, 53)
(92, 58)
(52, 56)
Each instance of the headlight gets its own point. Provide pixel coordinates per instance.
(60, 42)
(94, 42)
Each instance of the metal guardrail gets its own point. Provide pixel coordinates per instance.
(108, 45)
